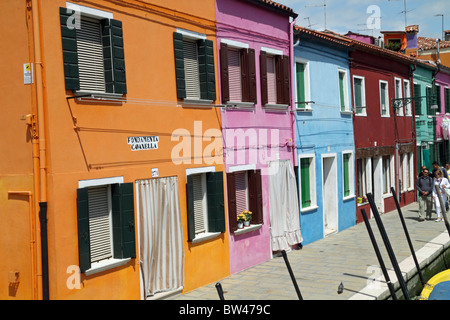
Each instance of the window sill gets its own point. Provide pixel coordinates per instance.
(311, 208)
(250, 228)
(97, 95)
(239, 105)
(349, 197)
(103, 265)
(197, 103)
(303, 110)
(277, 107)
(346, 112)
(205, 236)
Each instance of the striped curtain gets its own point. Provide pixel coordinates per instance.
(161, 235)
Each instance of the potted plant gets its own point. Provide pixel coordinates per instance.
(248, 217)
(240, 220)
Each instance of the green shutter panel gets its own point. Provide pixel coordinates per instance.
(300, 74)
(346, 175)
(305, 182)
(69, 46)
(190, 207)
(341, 90)
(231, 195)
(417, 100)
(215, 199)
(114, 56)
(84, 252)
(179, 65)
(206, 70)
(124, 241)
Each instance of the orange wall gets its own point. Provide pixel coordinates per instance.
(445, 58)
(98, 147)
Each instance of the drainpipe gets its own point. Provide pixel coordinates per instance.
(293, 106)
(42, 177)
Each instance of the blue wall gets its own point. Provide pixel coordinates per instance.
(325, 130)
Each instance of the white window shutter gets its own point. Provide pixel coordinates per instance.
(192, 78)
(100, 223)
(234, 75)
(90, 56)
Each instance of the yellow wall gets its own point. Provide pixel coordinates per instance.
(89, 140)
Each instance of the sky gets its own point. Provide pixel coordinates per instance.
(372, 16)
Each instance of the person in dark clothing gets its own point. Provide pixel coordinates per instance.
(424, 186)
(436, 167)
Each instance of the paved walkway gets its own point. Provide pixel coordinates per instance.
(347, 257)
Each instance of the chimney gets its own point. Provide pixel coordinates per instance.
(447, 35)
(411, 40)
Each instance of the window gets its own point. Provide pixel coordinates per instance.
(93, 52)
(398, 95)
(205, 205)
(348, 174)
(274, 78)
(244, 193)
(343, 95)
(384, 98)
(194, 66)
(418, 99)
(407, 90)
(447, 100)
(429, 97)
(300, 74)
(411, 170)
(238, 73)
(307, 181)
(386, 174)
(364, 177)
(106, 228)
(359, 95)
(438, 97)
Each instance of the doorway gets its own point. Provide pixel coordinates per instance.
(329, 194)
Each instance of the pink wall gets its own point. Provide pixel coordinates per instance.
(257, 27)
(442, 79)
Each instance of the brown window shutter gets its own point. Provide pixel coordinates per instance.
(255, 196)
(252, 75)
(244, 75)
(286, 81)
(279, 78)
(263, 69)
(231, 194)
(224, 80)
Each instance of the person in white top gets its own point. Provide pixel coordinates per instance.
(442, 182)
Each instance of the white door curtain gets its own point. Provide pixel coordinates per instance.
(161, 235)
(283, 206)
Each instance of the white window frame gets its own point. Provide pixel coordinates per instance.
(351, 175)
(307, 106)
(312, 181)
(399, 111)
(110, 263)
(366, 176)
(346, 99)
(363, 96)
(411, 171)
(387, 115)
(407, 94)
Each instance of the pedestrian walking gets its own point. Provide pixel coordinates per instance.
(437, 167)
(424, 187)
(442, 182)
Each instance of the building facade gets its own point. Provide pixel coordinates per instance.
(324, 134)
(254, 48)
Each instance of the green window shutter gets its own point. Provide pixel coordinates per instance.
(300, 74)
(179, 65)
(215, 199)
(190, 207)
(84, 252)
(206, 69)
(114, 56)
(346, 174)
(438, 97)
(358, 94)
(123, 220)
(70, 55)
(341, 90)
(418, 100)
(429, 92)
(305, 182)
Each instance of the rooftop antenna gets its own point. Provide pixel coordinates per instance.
(309, 23)
(405, 10)
(324, 5)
